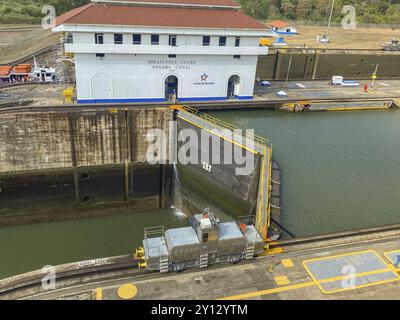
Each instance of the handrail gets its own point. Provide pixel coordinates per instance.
(218, 122)
(153, 231)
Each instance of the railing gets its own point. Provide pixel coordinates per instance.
(153, 232)
(247, 220)
(220, 123)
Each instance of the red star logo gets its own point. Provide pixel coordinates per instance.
(204, 77)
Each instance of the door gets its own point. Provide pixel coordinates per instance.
(102, 87)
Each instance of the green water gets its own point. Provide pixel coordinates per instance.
(30, 247)
(340, 170)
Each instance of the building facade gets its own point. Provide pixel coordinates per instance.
(143, 51)
(282, 27)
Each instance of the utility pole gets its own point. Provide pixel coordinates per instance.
(329, 23)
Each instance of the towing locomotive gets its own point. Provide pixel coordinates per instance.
(207, 241)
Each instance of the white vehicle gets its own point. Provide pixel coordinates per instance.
(337, 80)
(42, 74)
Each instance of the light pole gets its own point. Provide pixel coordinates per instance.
(329, 23)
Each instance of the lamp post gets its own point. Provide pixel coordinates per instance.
(329, 23)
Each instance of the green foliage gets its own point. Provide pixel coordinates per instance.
(30, 11)
(367, 11)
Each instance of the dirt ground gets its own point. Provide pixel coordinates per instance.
(19, 41)
(360, 38)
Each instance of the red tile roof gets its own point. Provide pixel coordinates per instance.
(153, 16)
(278, 24)
(225, 3)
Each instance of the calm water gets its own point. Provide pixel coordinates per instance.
(30, 247)
(340, 170)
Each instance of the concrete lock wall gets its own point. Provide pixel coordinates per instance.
(70, 164)
(323, 65)
(217, 185)
(59, 165)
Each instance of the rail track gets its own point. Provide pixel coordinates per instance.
(202, 106)
(29, 284)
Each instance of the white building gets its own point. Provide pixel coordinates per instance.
(282, 27)
(147, 50)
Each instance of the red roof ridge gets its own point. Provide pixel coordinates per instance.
(278, 23)
(72, 13)
(160, 16)
(211, 3)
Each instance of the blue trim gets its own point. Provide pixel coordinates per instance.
(120, 100)
(244, 97)
(203, 99)
(88, 101)
(287, 33)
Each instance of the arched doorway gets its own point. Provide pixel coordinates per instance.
(233, 86)
(171, 88)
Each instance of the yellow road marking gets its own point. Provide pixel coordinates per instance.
(269, 291)
(339, 255)
(386, 254)
(272, 251)
(98, 293)
(357, 275)
(282, 280)
(221, 136)
(287, 263)
(127, 291)
(318, 282)
(359, 287)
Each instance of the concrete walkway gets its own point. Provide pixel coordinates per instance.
(311, 274)
(322, 89)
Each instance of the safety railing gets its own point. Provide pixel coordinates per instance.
(247, 220)
(153, 232)
(220, 123)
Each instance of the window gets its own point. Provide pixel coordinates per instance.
(237, 41)
(222, 41)
(99, 38)
(172, 40)
(118, 38)
(137, 39)
(206, 40)
(236, 56)
(69, 38)
(100, 55)
(172, 56)
(155, 39)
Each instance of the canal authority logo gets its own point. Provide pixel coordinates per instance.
(204, 77)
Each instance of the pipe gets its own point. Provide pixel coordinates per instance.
(283, 228)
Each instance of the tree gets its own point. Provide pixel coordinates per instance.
(303, 9)
(288, 8)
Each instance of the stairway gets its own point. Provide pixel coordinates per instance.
(249, 253)
(164, 264)
(203, 260)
